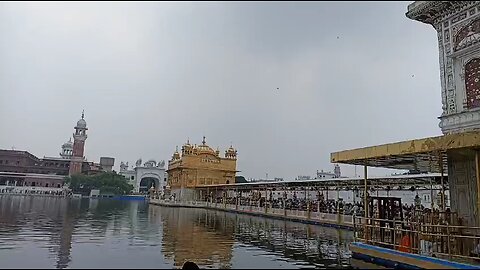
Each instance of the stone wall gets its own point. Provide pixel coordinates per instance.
(463, 185)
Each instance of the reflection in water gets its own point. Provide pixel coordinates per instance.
(47, 232)
(186, 238)
(209, 237)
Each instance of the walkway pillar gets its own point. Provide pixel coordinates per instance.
(266, 199)
(365, 202)
(365, 195)
(308, 204)
(338, 204)
(224, 197)
(477, 170)
(318, 200)
(440, 158)
(239, 197)
(431, 195)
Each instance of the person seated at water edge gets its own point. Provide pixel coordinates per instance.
(188, 265)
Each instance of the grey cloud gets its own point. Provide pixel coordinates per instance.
(149, 75)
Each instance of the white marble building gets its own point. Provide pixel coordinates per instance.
(143, 177)
(458, 30)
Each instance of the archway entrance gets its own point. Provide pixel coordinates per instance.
(147, 182)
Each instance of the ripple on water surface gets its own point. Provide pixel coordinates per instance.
(45, 232)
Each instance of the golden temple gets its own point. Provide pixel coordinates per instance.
(200, 165)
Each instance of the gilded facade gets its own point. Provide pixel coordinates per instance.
(188, 236)
(200, 165)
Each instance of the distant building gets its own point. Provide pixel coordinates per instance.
(199, 166)
(67, 150)
(79, 137)
(143, 177)
(322, 174)
(21, 168)
(107, 163)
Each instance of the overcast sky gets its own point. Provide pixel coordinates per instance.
(150, 75)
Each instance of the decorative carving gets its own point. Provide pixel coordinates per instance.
(468, 35)
(459, 26)
(468, 120)
(161, 164)
(450, 80)
(472, 83)
(446, 35)
(459, 17)
(123, 166)
(151, 163)
(449, 62)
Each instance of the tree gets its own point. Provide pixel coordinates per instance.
(106, 182)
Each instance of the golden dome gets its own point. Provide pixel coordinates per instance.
(176, 155)
(187, 148)
(231, 152)
(204, 148)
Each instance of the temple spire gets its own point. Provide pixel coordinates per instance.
(83, 113)
(203, 140)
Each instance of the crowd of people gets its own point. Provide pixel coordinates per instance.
(35, 192)
(320, 204)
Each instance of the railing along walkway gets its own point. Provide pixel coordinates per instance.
(329, 219)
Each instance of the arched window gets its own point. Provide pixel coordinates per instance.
(472, 83)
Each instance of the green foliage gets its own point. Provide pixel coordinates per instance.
(106, 182)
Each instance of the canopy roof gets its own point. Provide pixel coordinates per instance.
(378, 181)
(425, 155)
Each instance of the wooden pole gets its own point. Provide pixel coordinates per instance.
(441, 182)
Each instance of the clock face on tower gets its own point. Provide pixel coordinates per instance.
(472, 83)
